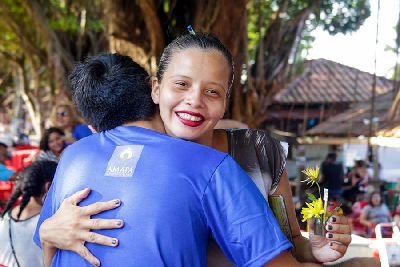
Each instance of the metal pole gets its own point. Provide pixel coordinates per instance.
(372, 113)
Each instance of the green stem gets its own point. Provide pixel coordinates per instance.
(319, 192)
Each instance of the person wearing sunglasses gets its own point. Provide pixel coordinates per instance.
(65, 117)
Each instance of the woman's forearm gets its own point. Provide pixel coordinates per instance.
(303, 252)
(302, 247)
(48, 254)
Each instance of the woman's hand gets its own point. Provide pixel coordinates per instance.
(69, 228)
(334, 244)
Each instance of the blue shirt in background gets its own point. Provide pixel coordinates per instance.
(174, 193)
(80, 131)
(5, 173)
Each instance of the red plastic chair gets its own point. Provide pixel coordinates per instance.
(357, 226)
(22, 158)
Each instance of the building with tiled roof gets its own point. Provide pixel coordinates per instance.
(355, 121)
(324, 89)
(325, 81)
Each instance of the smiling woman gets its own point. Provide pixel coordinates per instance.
(192, 93)
(52, 144)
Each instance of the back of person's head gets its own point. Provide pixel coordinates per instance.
(110, 90)
(2, 145)
(331, 156)
(31, 183)
(44, 141)
(205, 41)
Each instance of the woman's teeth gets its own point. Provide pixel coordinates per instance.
(188, 117)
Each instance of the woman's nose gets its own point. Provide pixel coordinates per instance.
(195, 98)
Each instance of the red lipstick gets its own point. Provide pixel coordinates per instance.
(189, 118)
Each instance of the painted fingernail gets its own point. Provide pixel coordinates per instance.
(114, 241)
(117, 202)
(333, 219)
(120, 223)
(330, 235)
(330, 227)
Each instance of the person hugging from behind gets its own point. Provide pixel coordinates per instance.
(18, 224)
(375, 212)
(52, 144)
(65, 117)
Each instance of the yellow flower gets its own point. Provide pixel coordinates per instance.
(313, 210)
(312, 175)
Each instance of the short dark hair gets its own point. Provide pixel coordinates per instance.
(44, 141)
(30, 183)
(199, 40)
(332, 156)
(3, 145)
(110, 90)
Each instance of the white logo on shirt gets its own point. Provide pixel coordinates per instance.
(123, 161)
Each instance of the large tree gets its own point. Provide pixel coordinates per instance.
(40, 42)
(261, 34)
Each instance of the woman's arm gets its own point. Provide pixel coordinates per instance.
(69, 228)
(320, 249)
(364, 217)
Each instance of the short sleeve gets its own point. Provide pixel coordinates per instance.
(240, 219)
(366, 211)
(261, 156)
(81, 131)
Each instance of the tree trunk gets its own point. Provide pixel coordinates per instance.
(58, 57)
(126, 30)
(234, 37)
(30, 102)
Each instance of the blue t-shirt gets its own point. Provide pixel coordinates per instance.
(174, 193)
(80, 131)
(5, 173)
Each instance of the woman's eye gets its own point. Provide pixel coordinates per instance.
(181, 84)
(212, 92)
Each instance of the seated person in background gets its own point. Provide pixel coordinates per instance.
(18, 224)
(375, 212)
(5, 173)
(65, 117)
(51, 145)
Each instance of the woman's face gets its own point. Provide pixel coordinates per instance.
(192, 94)
(63, 117)
(376, 199)
(56, 143)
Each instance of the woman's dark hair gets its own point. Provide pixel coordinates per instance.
(110, 90)
(199, 40)
(30, 183)
(370, 198)
(360, 163)
(44, 141)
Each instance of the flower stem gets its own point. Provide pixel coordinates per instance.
(319, 191)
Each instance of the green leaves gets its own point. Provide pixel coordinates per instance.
(311, 197)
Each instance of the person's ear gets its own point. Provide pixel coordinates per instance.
(155, 90)
(47, 186)
(92, 129)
